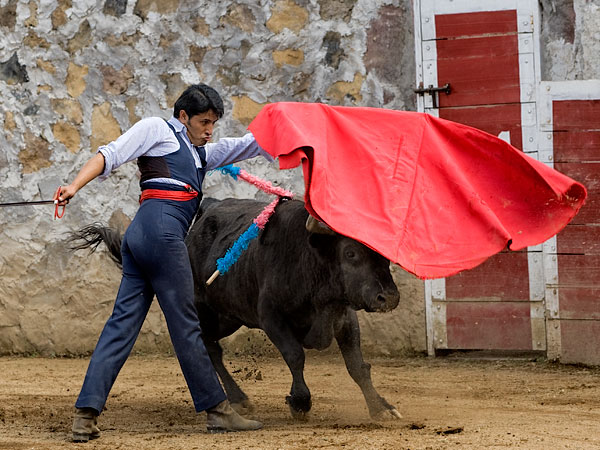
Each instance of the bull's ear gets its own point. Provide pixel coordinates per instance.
(324, 244)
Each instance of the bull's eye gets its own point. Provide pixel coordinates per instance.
(350, 254)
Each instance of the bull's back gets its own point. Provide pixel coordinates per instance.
(236, 292)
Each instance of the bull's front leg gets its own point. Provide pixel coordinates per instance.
(281, 336)
(348, 339)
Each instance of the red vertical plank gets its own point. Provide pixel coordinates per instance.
(579, 302)
(489, 326)
(478, 54)
(576, 115)
(492, 119)
(503, 277)
(580, 343)
(581, 145)
(576, 133)
(579, 286)
(579, 239)
(579, 270)
(588, 214)
(481, 71)
(587, 173)
(576, 130)
(475, 23)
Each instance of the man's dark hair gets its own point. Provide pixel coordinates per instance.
(197, 99)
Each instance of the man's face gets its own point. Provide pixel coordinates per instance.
(199, 127)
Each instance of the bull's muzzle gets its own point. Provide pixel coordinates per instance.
(387, 301)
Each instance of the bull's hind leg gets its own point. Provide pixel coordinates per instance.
(238, 398)
(348, 339)
(214, 327)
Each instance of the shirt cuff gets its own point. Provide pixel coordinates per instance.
(265, 154)
(107, 164)
(261, 150)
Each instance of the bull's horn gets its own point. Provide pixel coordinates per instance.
(315, 226)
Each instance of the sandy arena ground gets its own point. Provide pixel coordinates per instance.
(446, 403)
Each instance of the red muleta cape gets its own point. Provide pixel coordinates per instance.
(434, 196)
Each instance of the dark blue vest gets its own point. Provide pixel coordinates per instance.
(179, 165)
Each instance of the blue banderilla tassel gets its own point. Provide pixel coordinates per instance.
(236, 250)
(230, 170)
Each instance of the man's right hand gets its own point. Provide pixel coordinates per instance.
(64, 193)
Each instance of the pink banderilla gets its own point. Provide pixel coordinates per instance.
(241, 244)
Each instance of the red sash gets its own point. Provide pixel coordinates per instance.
(180, 196)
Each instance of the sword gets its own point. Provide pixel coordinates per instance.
(40, 202)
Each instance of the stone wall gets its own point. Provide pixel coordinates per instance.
(570, 39)
(76, 74)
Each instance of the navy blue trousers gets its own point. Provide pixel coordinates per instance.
(155, 261)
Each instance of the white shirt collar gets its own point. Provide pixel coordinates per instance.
(176, 124)
(180, 128)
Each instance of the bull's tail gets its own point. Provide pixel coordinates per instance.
(92, 235)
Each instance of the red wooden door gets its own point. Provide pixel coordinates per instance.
(573, 259)
(478, 54)
(487, 58)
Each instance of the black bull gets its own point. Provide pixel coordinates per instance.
(301, 288)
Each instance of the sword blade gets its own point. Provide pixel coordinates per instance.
(39, 202)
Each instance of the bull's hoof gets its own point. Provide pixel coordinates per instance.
(300, 416)
(243, 408)
(387, 414)
(298, 413)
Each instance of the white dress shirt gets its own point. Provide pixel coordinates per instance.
(153, 137)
